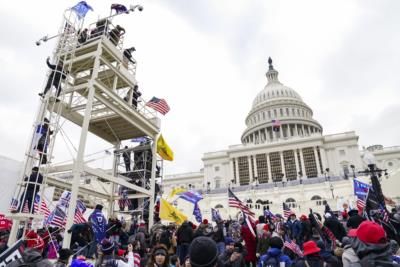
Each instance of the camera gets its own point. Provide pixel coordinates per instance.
(37, 43)
(140, 8)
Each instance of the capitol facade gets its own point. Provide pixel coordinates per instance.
(284, 157)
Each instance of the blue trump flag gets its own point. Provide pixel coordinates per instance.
(216, 217)
(119, 8)
(81, 9)
(197, 213)
(99, 224)
(360, 189)
(191, 196)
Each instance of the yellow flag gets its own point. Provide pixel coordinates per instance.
(170, 213)
(176, 190)
(164, 150)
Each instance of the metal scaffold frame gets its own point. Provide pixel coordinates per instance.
(99, 97)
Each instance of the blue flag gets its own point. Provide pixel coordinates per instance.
(269, 214)
(216, 217)
(119, 8)
(81, 9)
(191, 196)
(139, 139)
(99, 224)
(360, 189)
(197, 213)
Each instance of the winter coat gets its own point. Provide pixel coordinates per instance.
(349, 257)
(263, 244)
(336, 227)
(312, 261)
(294, 229)
(57, 72)
(275, 253)
(329, 259)
(306, 230)
(31, 256)
(224, 260)
(372, 254)
(184, 234)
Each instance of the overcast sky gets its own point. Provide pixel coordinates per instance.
(208, 59)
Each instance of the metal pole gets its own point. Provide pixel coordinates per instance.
(153, 181)
(79, 162)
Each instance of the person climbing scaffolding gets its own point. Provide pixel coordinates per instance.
(57, 75)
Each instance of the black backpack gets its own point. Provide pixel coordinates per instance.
(271, 262)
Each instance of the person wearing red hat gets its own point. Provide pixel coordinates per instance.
(370, 246)
(312, 257)
(33, 254)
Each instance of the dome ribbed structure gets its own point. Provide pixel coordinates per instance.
(278, 113)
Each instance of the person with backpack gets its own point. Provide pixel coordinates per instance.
(274, 256)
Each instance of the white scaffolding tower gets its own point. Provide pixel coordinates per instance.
(97, 95)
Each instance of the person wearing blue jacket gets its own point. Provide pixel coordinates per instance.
(274, 255)
(294, 227)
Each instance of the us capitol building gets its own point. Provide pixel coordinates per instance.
(284, 157)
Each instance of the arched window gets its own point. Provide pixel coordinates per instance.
(291, 203)
(219, 206)
(318, 200)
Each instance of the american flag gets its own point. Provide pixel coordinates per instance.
(79, 211)
(43, 207)
(57, 218)
(159, 105)
(286, 210)
(124, 201)
(234, 202)
(290, 244)
(360, 204)
(136, 259)
(13, 205)
(25, 208)
(276, 124)
(385, 214)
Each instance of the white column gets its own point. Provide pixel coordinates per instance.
(296, 131)
(302, 128)
(255, 166)
(303, 167)
(153, 180)
(296, 161)
(250, 170)
(269, 170)
(283, 166)
(317, 161)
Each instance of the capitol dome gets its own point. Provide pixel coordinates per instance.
(278, 113)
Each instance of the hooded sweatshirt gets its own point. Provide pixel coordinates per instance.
(277, 254)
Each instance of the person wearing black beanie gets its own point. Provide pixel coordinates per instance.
(203, 252)
(63, 259)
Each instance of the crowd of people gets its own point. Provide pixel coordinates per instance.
(269, 241)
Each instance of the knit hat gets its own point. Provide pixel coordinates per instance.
(229, 240)
(371, 232)
(276, 242)
(310, 247)
(107, 247)
(160, 250)
(205, 221)
(64, 254)
(303, 217)
(33, 240)
(203, 252)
